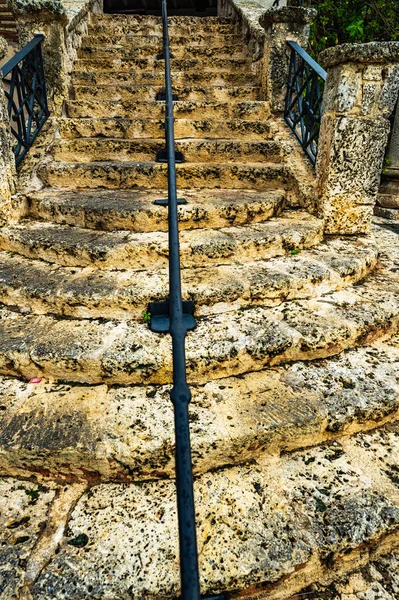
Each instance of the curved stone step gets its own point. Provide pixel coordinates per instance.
(40, 288)
(224, 345)
(73, 246)
(267, 529)
(111, 175)
(208, 151)
(135, 211)
(145, 93)
(155, 129)
(248, 111)
(151, 64)
(127, 433)
(151, 46)
(193, 78)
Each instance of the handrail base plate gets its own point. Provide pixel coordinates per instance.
(160, 319)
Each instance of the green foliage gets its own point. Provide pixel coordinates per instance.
(355, 21)
(146, 316)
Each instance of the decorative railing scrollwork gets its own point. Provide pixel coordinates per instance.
(25, 89)
(303, 103)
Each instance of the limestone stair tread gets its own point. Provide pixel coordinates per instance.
(111, 174)
(156, 78)
(37, 287)
(135, 210)
(286, 513)
(139, 128)
(76, 246)
(142, 47)
(257, 110)
(223, 345)
(127, 432)
(193, 150)
(281, 522)
(143, 93)
(151, 63)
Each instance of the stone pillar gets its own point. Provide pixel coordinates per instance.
(7, 160)
(360, 94)
(388, 197)
(281, 25)
(49, 18)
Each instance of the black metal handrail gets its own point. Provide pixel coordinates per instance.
(303, 102)
(175, 317)
(25, 89)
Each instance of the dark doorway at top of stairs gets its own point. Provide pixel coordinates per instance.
(196, 8)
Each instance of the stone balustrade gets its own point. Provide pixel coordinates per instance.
(63, 25)
(359, 98)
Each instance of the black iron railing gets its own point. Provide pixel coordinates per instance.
(176, 317)
(303, 103)
(25, 89)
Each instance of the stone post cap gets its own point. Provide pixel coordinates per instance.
(372, 52)
(3, 47)
(288, 14)
(48, 9)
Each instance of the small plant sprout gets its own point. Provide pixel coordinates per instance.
(146, 316)
(295, 251)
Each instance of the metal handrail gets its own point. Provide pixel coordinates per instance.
(25, 89)
(304, 97)
(180, 319)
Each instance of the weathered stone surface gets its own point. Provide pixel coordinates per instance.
(135, 210)
(125, 433)
(372, 52)
(376, 581)
(359, 97)
(72, 246)
(281, 25)
(223, 345)
(3, 47)
(349, 166)
(285, 522)
(247, 110)
(23, 516)
(37, 287)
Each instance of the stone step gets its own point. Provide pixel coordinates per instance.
(146, 25)
(152, 46)
(112, 175)
(267, 529)
(131, 78)
(248, 111)
(140, 128)
(208, 151)
(37, 287)
(190, 65)
(145, 93)
(75, 246)
(178, 39)
(271, 411)
(134, 210)
(222, 345)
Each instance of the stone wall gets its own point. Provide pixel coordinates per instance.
(63, 25)
(360, 94)
(7, 161)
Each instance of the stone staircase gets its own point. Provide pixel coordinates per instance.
(291, 365)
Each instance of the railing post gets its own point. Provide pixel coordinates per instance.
(50, 20)
(359, 97)
(7, 160)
